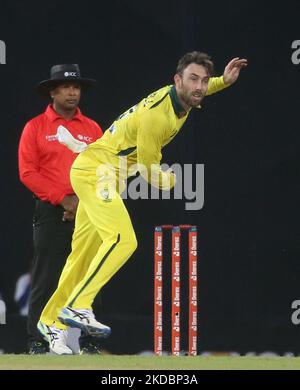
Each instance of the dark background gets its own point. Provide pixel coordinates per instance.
(247, 136)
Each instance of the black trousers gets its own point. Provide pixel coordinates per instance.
(52, 244)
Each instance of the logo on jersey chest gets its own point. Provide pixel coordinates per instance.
(51, 138)
(105, 195)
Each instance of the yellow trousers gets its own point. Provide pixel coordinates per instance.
(103, 239)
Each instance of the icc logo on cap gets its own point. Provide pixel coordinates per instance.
(70, 74)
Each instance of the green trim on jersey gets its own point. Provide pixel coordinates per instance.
(179, 110)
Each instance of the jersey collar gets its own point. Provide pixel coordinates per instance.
(53, 115)
(178, 109)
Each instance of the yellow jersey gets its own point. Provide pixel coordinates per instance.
(141, 132)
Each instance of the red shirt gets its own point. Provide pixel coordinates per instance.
(44, 164)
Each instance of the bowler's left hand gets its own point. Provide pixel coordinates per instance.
(232, 70)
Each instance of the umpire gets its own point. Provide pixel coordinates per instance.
(44, 168)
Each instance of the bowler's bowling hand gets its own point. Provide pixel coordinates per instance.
(173, 175)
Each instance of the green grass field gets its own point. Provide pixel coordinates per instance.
(134, 362)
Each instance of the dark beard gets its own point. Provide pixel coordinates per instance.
(188, 101)
(190, 104)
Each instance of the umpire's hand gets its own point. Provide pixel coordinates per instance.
(68, 216)
(69, 203)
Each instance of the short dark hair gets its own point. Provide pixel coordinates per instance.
(195, 57)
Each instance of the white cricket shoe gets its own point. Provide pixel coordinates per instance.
(85, 320)
(57, 339)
